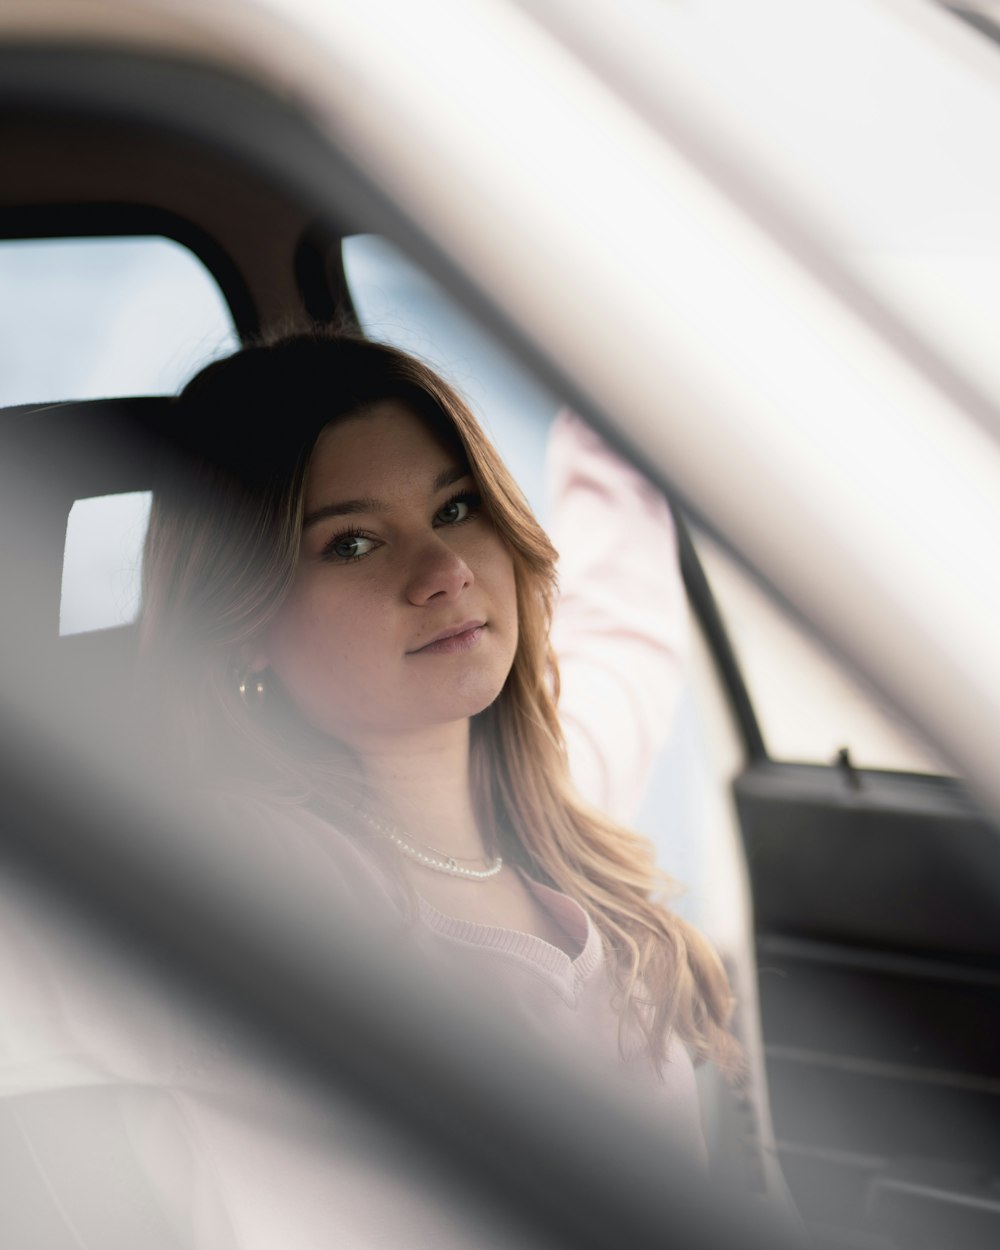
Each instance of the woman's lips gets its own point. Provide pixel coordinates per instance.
(462, 638)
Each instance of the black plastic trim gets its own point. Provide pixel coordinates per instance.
(903, 863)
(706, 609)
(320, 276)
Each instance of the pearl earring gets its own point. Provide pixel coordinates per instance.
(252, 689)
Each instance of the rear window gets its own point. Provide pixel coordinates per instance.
(102, 562)
(85, 318)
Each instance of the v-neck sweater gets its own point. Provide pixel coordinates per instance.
(565, 1000)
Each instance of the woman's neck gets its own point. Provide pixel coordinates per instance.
(420, 784)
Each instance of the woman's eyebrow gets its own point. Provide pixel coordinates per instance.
(347, 508)
(350, 507)
(448, 476)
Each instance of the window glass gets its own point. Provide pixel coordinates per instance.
(102, 561)
(398, 303)
(93, 318)
(807, 706)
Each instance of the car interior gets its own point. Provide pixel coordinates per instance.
(854, 906)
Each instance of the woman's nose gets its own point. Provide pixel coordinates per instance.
(437, 572)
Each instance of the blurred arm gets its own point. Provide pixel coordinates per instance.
(620, 629)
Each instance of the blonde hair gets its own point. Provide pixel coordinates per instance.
(221, 551)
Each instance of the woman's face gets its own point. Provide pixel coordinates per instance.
(403, 613)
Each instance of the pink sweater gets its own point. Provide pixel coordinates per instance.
(564, 999)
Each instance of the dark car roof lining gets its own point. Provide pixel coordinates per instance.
(69, 176)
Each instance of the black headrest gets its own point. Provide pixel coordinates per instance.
(79, 449)
(50, 456)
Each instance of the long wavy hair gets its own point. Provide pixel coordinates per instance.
(221, 552)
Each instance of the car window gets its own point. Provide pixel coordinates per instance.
(807, 706)
(398, 303)
(84, 318)
(102, 562)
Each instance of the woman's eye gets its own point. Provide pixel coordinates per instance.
(459, 509)
(349, 547)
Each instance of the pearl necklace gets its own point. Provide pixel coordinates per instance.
(438, 861)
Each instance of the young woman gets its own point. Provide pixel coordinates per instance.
(346, 612)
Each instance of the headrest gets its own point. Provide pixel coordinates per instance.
(50, 456)
(79, 449)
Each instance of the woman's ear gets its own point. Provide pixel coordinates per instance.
(253, 657)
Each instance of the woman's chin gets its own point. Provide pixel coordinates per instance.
(432, 715)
